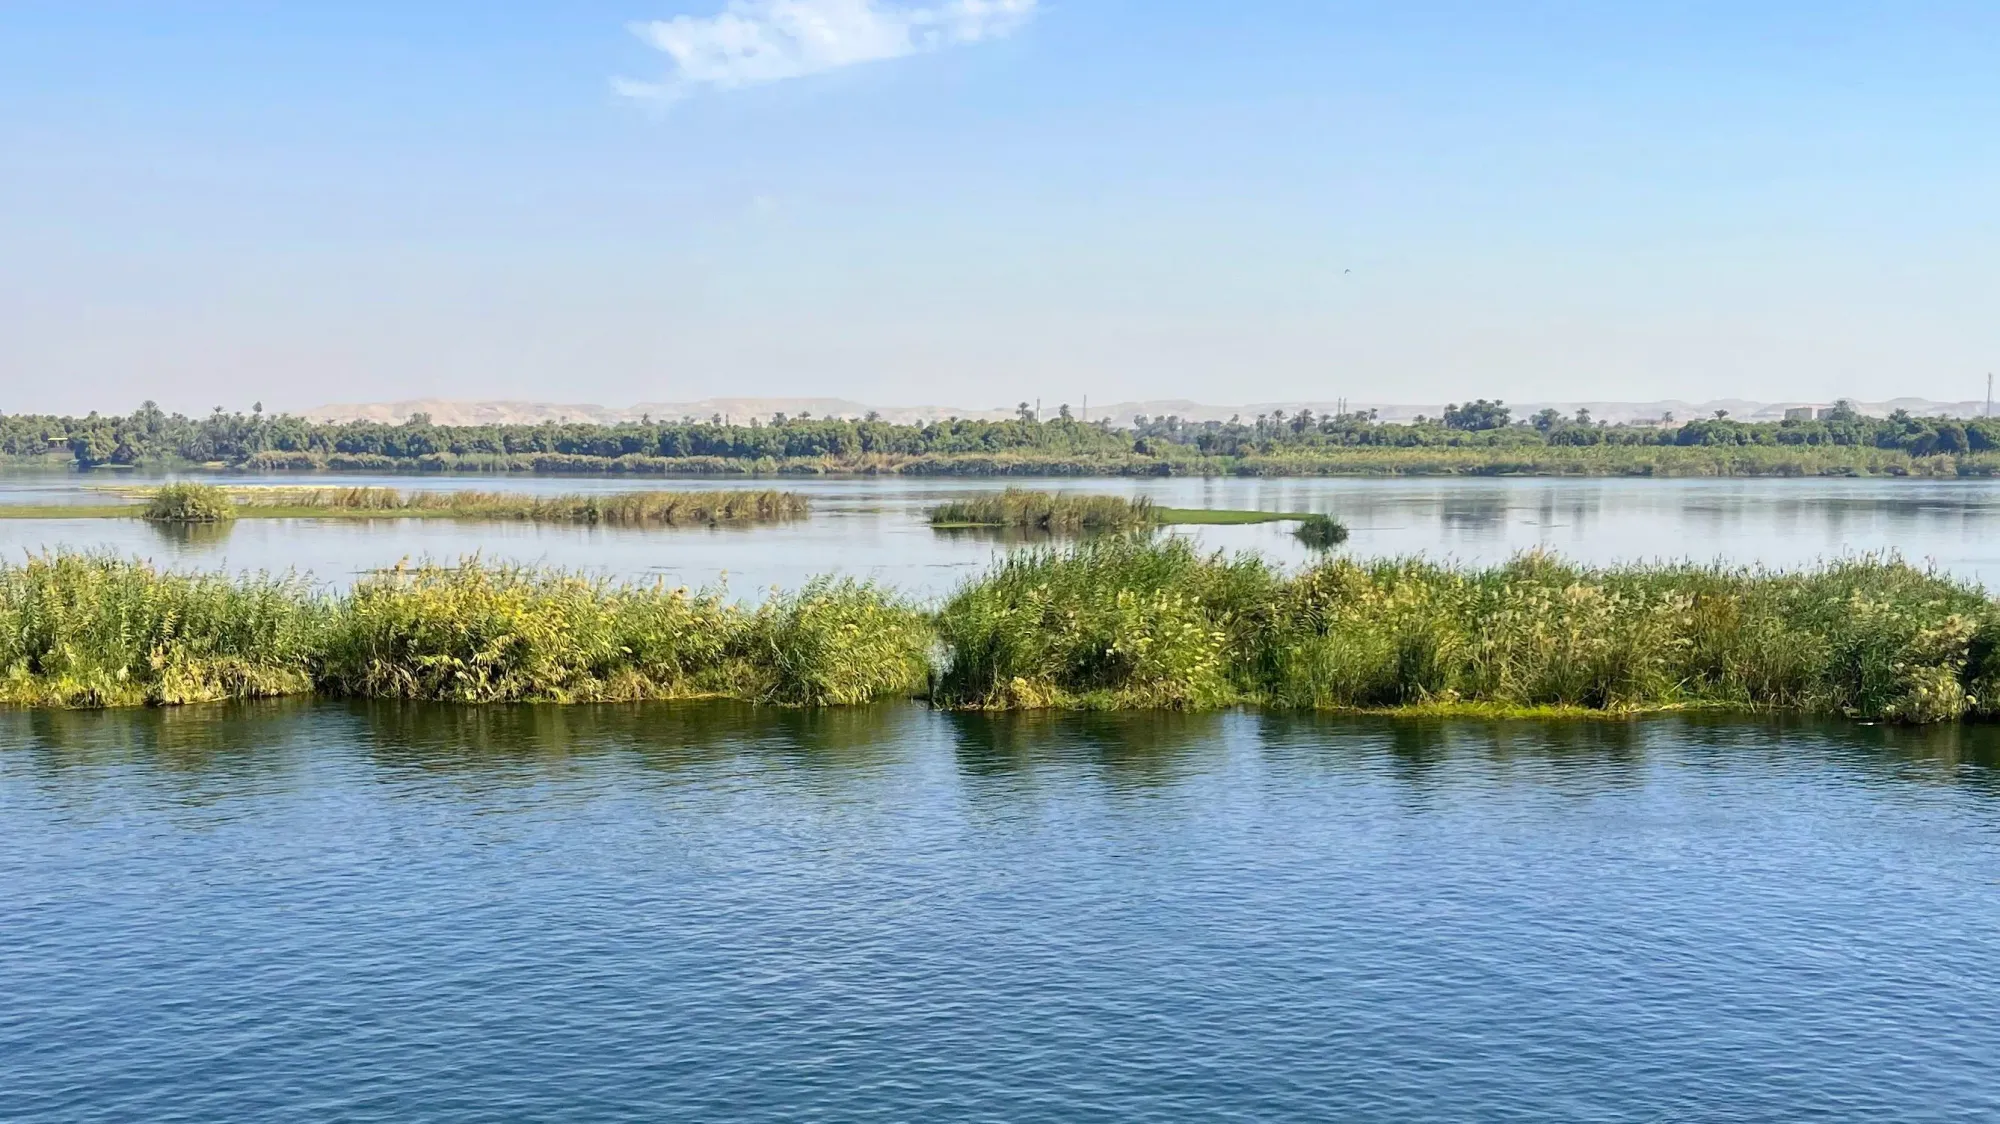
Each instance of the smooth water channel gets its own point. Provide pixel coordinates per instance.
(318, 911)
(323, 911)
(874, 527)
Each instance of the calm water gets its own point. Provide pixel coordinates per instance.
(875, 528)
(318, 911)
(698, 912)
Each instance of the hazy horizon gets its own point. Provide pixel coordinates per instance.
(974, 202)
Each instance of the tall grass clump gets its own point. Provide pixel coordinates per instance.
(1868, 638)
(1124, 623)
(479, 633)
(670, 508)
(1047, 511)
(1320, 532)
(87, 630)
(835, 643)
(1107, 624)
(189, 502)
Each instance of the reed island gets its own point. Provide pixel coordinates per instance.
(1111, 622)
(194, 502)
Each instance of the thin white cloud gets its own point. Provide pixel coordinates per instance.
(751, 42)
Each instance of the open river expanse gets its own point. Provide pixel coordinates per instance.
(663, 912)
(875, 528)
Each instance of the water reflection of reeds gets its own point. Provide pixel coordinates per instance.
(1145, 747)
(658, 736)
(191, 536)
(208, 752)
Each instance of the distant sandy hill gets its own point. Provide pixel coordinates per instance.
(450, 412)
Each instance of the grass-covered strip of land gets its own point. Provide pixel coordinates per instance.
(188, 502)
(1047, 511)
(1064, 512)
(1114, 623)
(89, 631)
(1117, 624)
(671, 508)
(1479, 437)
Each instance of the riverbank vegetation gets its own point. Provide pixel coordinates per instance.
(1114, 623)
(618, 508)
(88, 631)
(1117, 624)
(184, 502)
(1070, 513)
(1480, 437)
(1058, 512)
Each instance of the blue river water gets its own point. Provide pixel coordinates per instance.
(324, 911)
(874, 527)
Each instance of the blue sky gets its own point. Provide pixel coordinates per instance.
(975, 202)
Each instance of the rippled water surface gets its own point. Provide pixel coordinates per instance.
(874, 527)
(703, 912)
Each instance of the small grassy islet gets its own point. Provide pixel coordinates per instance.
(188, 502)
(1069, 513)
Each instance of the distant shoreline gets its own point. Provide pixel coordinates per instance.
(1646, 462)
(1478, 438)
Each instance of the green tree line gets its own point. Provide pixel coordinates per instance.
(152, 436)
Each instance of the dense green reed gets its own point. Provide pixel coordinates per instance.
(79, 630)
(1047, 511)
(1113, 623)
(493, 634)
(631, 508)
(1118, 622)
(1123, 624)
(187, 502)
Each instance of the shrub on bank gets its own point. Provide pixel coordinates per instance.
(1320, 532)
(189, 502)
